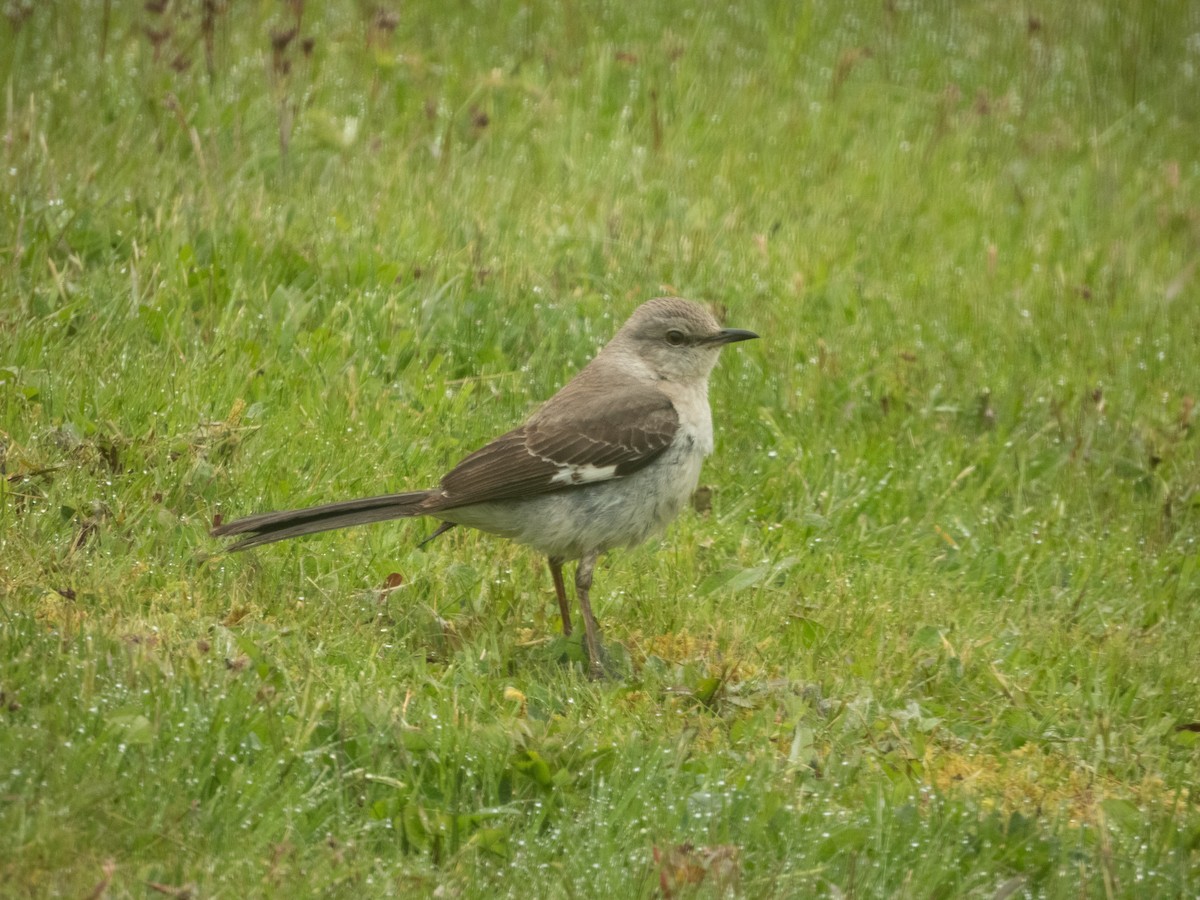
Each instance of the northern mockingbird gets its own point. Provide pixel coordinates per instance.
(606, 462)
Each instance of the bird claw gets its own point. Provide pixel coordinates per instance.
(601, 666)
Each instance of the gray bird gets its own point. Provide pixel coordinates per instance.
(606, 462)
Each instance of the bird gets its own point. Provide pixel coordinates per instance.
(608, 461)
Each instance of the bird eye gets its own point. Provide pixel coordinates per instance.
(675, 337)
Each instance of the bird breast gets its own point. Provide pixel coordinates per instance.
(622, 512)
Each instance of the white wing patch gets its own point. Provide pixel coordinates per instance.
(583, 474)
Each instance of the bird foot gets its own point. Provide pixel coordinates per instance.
(603, 665)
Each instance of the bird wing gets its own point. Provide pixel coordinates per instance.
(601, 437)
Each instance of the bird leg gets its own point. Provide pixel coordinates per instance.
(564, 608)
(591, 631)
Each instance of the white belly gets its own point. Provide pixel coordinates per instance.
(596, 517)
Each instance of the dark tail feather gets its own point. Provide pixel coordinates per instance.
(267, 528)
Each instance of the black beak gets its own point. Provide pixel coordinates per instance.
(731, 336)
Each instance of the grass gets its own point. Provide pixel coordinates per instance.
(933, 637)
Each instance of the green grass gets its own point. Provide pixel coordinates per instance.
(935, 636)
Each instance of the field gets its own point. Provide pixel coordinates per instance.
(927, 633)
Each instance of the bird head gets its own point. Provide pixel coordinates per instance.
(675, 339)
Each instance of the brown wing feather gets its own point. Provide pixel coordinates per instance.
(625, 431)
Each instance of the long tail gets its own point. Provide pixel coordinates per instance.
(266, 528)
